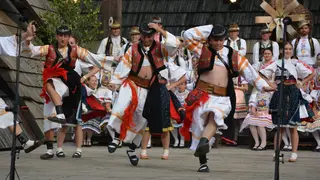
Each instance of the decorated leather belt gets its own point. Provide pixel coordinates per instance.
(139, 81)
(289, 82)
(212, 89)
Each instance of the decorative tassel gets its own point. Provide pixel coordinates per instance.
(127, 118)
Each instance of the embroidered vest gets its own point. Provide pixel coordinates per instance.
(311, 46)
(207, 59)
(261, 49)
(155, 57)
(52, 57)
(238, 43)
(109, 46)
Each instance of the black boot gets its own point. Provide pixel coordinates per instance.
(28, 145)
(56, 119)
(203, 164)
(203, 147)
(131, 154)
(112, 147)
(48, 155)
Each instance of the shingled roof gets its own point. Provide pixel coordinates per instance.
(178, 15)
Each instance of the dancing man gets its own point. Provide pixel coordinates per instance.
(213, 98)
(141, 64)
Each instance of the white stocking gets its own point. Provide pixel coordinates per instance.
(175, 135)
(316, 136)
(285, 138)
(263, 136)
(289, 135)
(255, 136)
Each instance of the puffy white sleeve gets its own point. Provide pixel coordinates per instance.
(99, 60)
(303, 70)
(255, 55)
(8, 46)
(269, 70)
(275, 50)
(123, 69)
(35, 51)
(195, 36)
(104, 95)
(250, 74)
(243, 48)
(102, 47)
(243, 81)
(316, 47)
(175, 71)
(314, 94)
(169, 45)
(78, 68)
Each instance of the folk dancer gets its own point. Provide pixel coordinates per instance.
(161, 106)
(294, 69)
(61, 84)
(210, 102)
(134, 74)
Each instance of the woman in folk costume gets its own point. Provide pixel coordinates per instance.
(96, 104)
(137, 70)
(210, 102)
(293, 70)
(61, 82)
(8, 46)
(181, 93)
(161, 106)
(259, 118)
(314, 127)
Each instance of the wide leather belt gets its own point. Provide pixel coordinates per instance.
(139, 81)
(289, 82)
(212, 89)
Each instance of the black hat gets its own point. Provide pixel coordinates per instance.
(63, 30)
(218, 31)
(144, 29)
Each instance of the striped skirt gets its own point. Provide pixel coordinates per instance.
(94, 124)
(241, 107)
(262, 120)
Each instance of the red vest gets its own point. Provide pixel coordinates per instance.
(138, 56)
(206, 61)
(51, 57)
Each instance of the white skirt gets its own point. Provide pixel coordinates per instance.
(49, 109)
(220, 106)
(123, 101)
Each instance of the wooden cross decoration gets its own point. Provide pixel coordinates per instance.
(277, 15)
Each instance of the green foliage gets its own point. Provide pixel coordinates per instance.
(81, 16)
